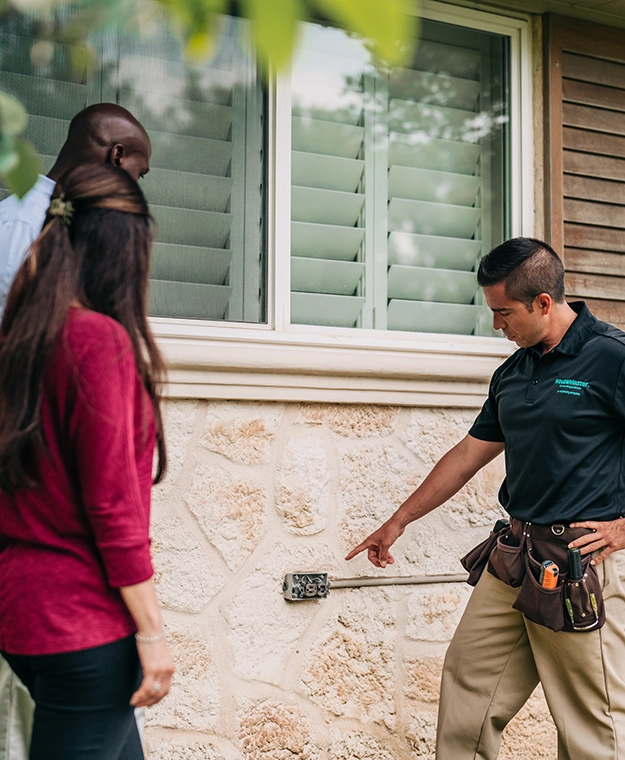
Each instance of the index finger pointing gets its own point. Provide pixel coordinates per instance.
(360, 548)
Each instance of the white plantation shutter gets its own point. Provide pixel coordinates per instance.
(204, 184)
(434, 191)
(401, 228)
(400, 180)
(52, 93)
(328, 229)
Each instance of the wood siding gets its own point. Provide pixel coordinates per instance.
(585, 160)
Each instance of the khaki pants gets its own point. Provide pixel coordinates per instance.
(16, 715)
(497, 657)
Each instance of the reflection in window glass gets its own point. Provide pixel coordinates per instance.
(205, 185)
(42, 77)
(399, 180)
(329, 220)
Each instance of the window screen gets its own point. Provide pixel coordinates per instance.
(205, 186)
(400, 180)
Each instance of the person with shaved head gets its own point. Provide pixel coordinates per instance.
(105, 133)
(101, 133)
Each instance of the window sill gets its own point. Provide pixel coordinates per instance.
(337, 366)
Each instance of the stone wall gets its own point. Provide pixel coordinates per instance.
(255, 491)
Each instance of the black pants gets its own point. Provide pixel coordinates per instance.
(82, 702)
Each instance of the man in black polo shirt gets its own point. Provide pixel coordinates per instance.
(556, 408)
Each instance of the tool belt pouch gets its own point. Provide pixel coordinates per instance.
(573, 606)
(544, 606)
(506, 561)
(584, 609)
(475, 561)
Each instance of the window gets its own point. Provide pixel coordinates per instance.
(205, 186)
(400, 180)
(341, 204)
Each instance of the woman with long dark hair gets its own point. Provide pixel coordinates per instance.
(79, 417)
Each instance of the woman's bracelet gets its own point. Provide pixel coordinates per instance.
(150, 639)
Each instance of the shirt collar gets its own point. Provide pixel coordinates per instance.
(45, 184)
(577, 334)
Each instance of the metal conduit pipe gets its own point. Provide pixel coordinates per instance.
(408, 580)
(305, 586)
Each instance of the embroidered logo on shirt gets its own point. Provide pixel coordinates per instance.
(571, 387)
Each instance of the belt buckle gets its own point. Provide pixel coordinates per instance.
(558, 529)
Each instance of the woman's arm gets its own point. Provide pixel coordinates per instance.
(114, 496)
(156, 661)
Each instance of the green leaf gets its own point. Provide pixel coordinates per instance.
(391, 26)
(9, 157)
(274, 30)
(41, 53)
(196, 24)
(13, 116)
(21, 179)
(84, 22)
(199, 47)
(83, 58)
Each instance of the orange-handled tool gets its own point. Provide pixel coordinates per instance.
(549, 573)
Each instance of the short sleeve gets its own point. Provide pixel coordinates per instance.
(486, 426)
(103, 442)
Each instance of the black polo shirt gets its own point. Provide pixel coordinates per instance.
(562, 419)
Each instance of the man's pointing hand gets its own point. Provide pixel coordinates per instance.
(378, 544)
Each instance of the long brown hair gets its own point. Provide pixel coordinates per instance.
(98, 255)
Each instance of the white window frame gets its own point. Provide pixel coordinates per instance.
(285, 362)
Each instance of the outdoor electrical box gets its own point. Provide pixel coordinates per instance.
(298, 587)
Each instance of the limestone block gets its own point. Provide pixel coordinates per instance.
(178, 421)
(477, 503)
(194, 700)
(434, 611)
(157, 749)
(303, 487)
(531, 734)
(356, 745)
(351, 421)
(430, 434)
(351, 670)
(422, 734)
(263, 627)
(242, 431)
(422, 679)
(185, 578)
(230, 511)
(374, 481)
(272, 730)
(430, 547)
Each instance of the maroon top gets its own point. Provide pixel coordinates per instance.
(68, 544)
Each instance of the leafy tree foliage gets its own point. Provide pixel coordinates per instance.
(388, 25)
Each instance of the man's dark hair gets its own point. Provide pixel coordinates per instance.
(527, 266)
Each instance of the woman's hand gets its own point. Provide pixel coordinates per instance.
(158, 668)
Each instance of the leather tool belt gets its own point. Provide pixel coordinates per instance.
(515, 553)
